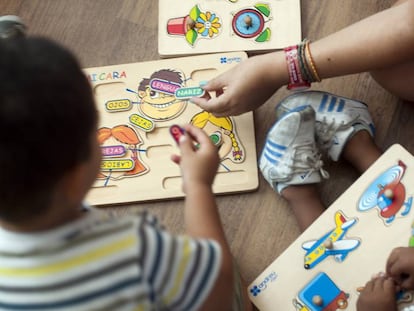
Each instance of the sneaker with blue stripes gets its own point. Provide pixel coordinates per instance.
(337, 118)
(290, 155)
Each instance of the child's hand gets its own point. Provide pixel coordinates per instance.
(198, 163)
(378, 295)
(244, 87)
(400, 266)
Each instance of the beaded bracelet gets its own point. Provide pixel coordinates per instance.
(304, 68)
(301, 66)
(296, 80)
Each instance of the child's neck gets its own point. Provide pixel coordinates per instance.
(52, 218)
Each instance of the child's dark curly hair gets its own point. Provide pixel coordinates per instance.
(47, 116)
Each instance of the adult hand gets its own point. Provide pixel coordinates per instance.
(246, 86)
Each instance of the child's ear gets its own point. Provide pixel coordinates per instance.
(75, 183)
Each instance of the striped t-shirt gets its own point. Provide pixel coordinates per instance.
(104, 262)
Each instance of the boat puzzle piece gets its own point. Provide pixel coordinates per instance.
(332, 243)
(387, 192)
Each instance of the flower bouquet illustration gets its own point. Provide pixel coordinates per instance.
(194, 25)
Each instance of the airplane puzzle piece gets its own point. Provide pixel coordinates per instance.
(332, 243)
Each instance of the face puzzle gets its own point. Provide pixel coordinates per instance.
(142, 107)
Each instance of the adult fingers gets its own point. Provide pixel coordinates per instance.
(215, 84)
(216, 105)
(201, 100)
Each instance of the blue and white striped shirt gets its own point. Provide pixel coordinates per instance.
(104, 262)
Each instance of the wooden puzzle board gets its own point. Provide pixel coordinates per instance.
(372, 226)
(138, 103)
(208, 26)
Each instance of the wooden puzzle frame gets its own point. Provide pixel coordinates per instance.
(329, 262)
(210, 26)
(138, 103)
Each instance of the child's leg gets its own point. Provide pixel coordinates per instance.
(361, 151)
(305, 202)
(398, 80)
(343, 128)
(290, 162)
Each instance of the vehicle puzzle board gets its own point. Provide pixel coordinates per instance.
(138, 103)
(210, 26)
(334, 258)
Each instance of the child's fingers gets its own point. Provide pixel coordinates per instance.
(175, 158)
(185, 144)
(197, 135)
(384, 283)
(391, 266)
(369, 285)
(406, 282)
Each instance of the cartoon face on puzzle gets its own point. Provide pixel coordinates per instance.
(388, 194)
(222, 134)
(156, 94)
(142, 108)
(120, 153)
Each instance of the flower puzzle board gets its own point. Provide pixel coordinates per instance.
(328, 264)
(138, 103)
(210, 26)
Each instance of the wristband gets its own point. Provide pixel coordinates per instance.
(296, 81)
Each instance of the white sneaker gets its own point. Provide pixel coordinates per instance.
(290, 156)
(337, 118)
(11, 26)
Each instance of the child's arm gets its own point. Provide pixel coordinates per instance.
(379, 295)
(199, 166)
(400, 266)
(380, 41)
